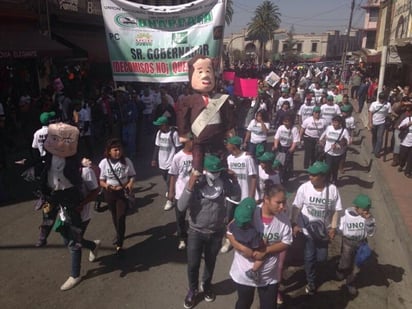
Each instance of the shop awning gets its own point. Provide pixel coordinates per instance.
(92, 42)
(29, 43)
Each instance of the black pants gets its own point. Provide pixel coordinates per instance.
(267, 296)
(118, 206)
(405, 157)
(310, 153)
(333, 162)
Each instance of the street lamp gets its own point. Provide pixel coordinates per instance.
(229, 46)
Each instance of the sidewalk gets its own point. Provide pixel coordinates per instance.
(397, 189)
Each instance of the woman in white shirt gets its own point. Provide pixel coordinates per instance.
(335, 138)
(117, 175)
(257, 132)
(272, 222)
(405, 153)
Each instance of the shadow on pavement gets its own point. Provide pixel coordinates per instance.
(143, 255)
(351, 180)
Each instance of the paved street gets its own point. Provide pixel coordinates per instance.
(153, 273)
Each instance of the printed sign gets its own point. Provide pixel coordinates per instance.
(154, 43)
(272, 79)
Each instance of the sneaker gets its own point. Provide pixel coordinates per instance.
(190, 299)
(119, 252)
(253, 275)
(226, 246)
(93, 253)
(70, 283)
(400, 168)
(279, 299)
(182, 245)
(166, 194)
(208, 295)
(310, 289)
(168, 205)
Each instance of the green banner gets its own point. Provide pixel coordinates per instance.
(154, 43)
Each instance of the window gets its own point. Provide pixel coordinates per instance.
(299, 47)
(285, 47)
(314, 47)
(373, 14)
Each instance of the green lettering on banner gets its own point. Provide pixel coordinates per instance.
(154, 44)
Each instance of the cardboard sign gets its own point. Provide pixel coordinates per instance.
(228, 75)
(246, 87)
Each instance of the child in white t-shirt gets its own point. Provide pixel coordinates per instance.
(167, 144)
(356, 225)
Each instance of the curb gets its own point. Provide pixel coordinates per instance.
(388, 198)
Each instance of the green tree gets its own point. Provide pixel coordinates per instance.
(263, 24)
(229, 12)
(290, 51)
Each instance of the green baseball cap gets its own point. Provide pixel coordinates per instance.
(260, 149)
(244, 211)
(161, 120)
(318, 167)
(212, 164)
(234, 140)
(276, 164)
(316, 109)
(46, 117)
(362, 201)
(267, 156)
(330, 98)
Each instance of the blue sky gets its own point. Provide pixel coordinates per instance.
(306, 15)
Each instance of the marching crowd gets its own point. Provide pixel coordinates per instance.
(237, 198)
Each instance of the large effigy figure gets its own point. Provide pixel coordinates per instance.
(207, 116)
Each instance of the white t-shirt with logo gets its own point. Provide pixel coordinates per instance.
(305, 111)
(38, 140)
(313, 205)
(353, 226)
(123, 171)
(314, 128)
(89, 184)
(262, 177)
(243, 166)
(379, 112)
(407, 141)
(181, 167)
(333, 136)
(278, 230)
(281, 100)
(327, 112)
(287, 136)
(167, 147)
(257, 135)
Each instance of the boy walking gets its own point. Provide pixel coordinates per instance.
(356, 225)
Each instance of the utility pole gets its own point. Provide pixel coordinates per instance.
(345, 45)
(386, 36)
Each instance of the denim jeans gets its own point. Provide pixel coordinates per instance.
(377, 137)
(267, 296)
(209, 245)
(75, 250)
(313, 252)
(396, 142)
(181, 227)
